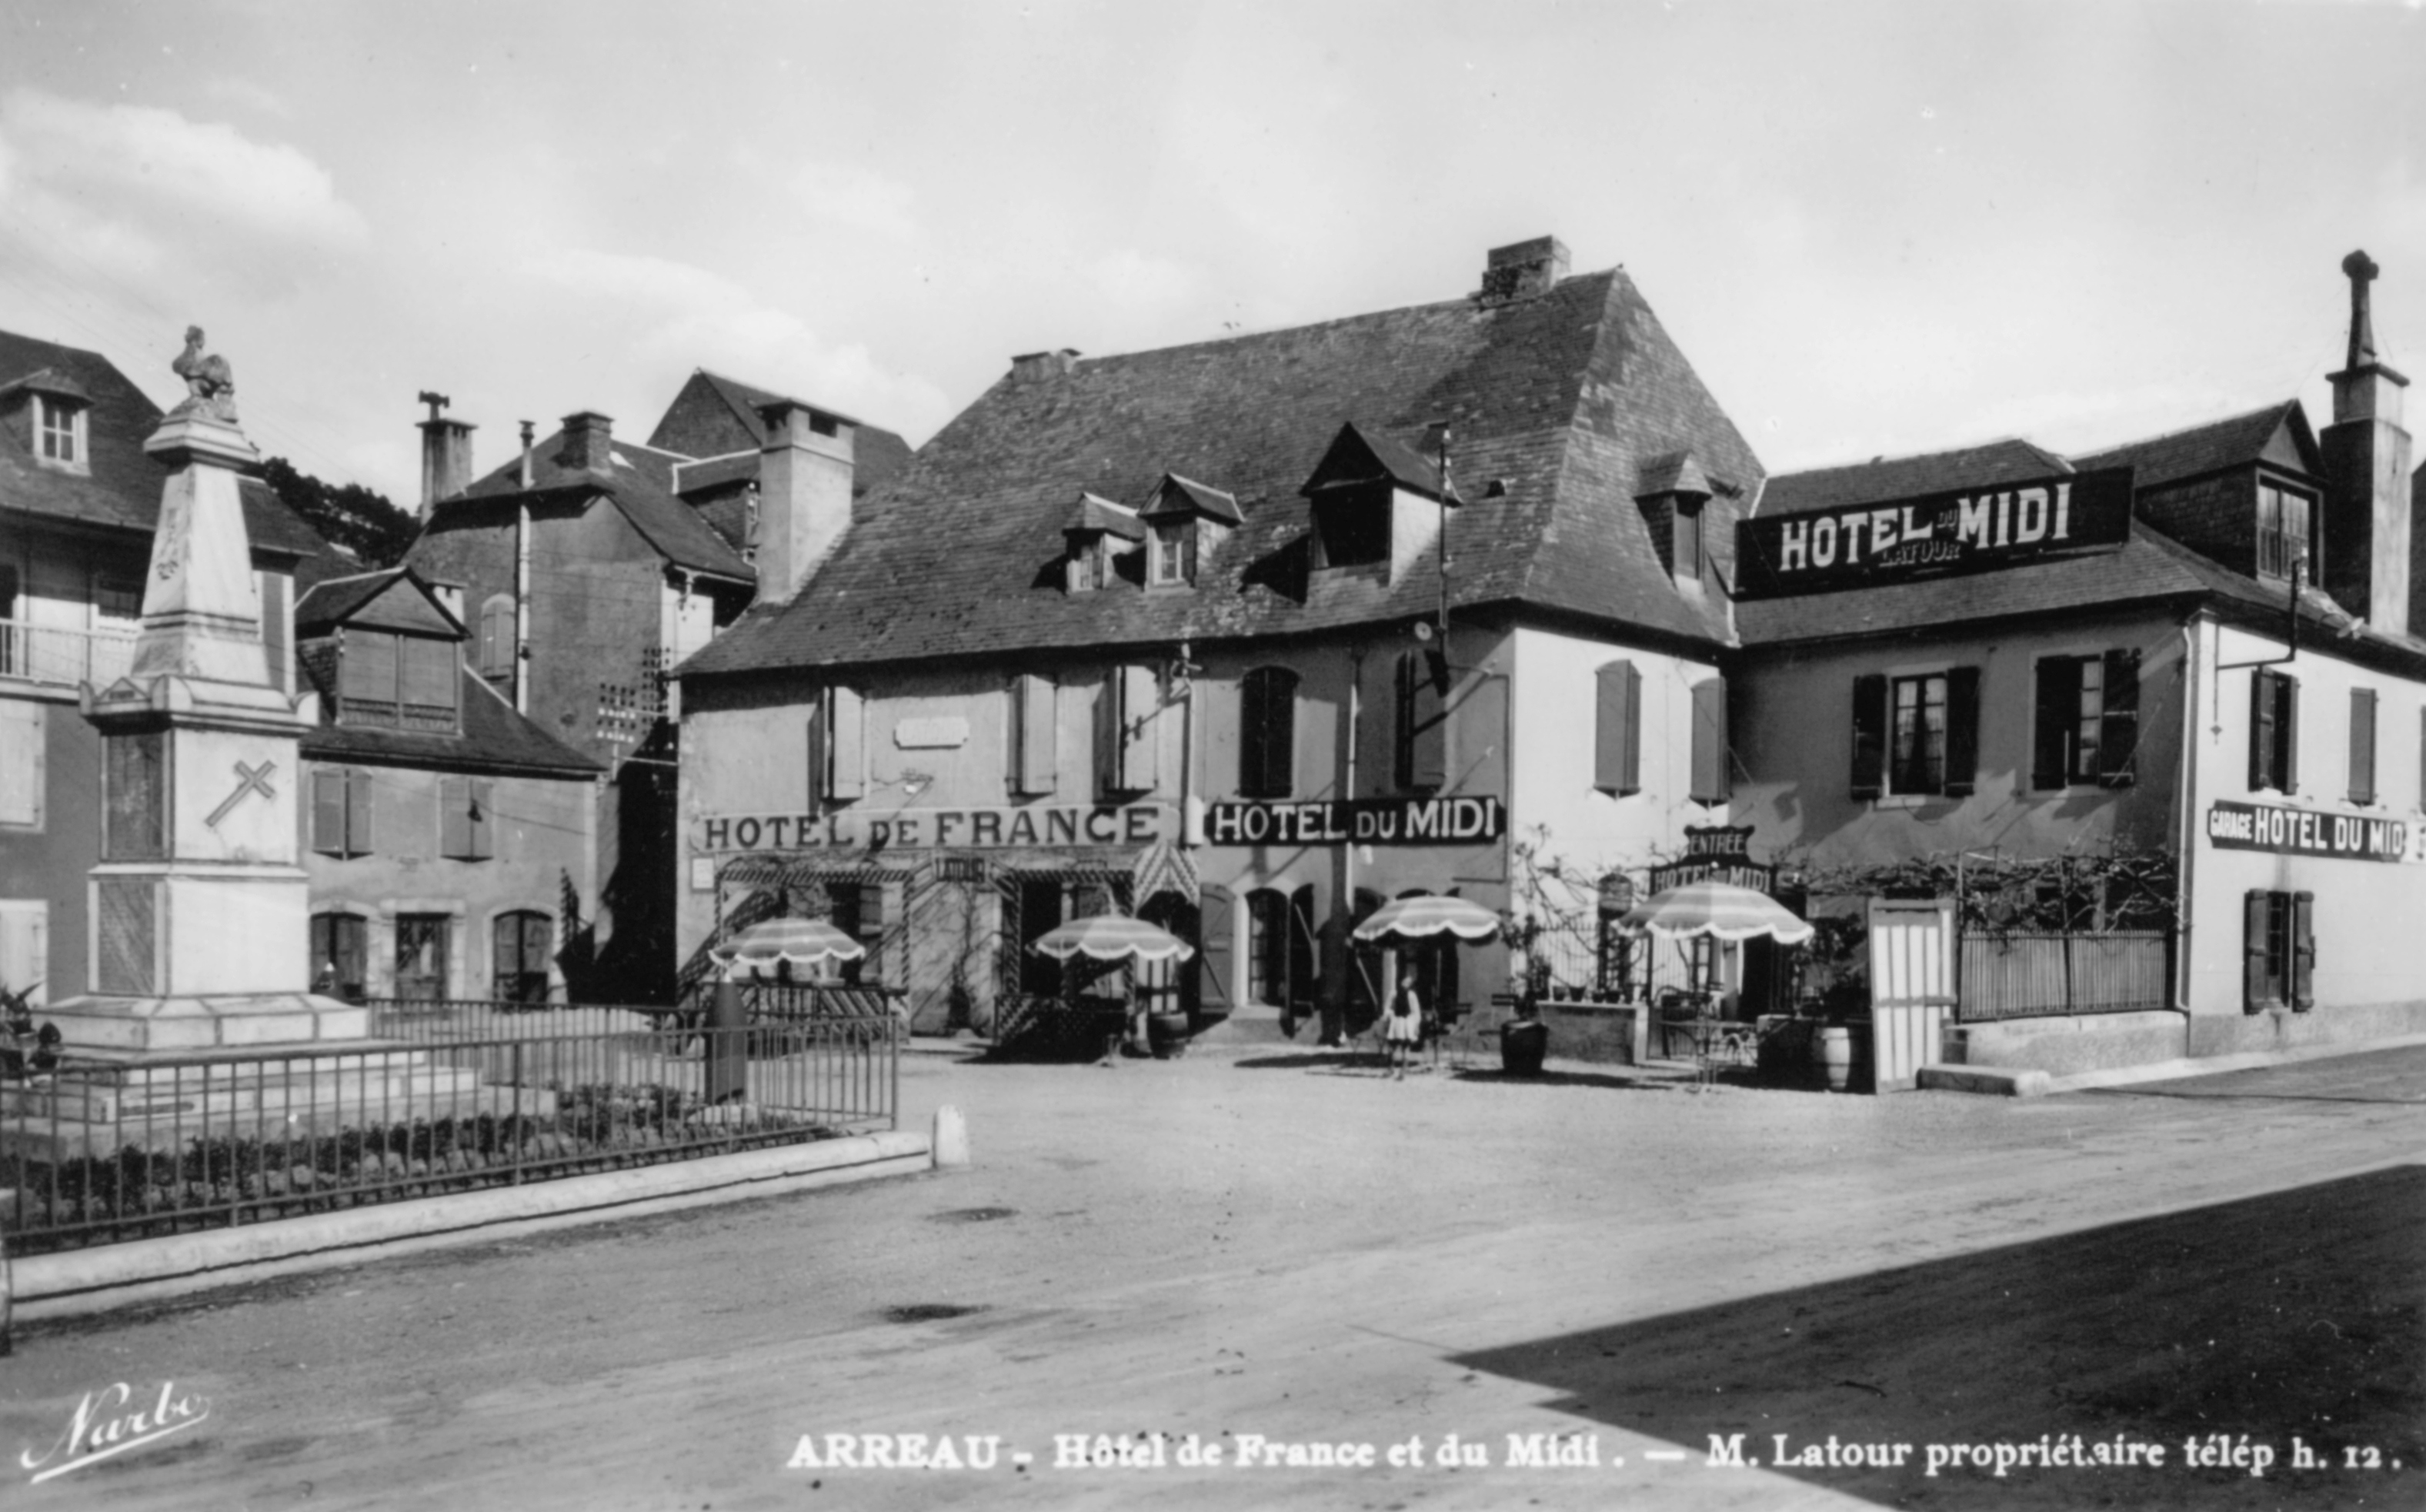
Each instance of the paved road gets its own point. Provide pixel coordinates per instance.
(1281, 1245)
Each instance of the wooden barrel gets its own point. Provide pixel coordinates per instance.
(1836, 1056)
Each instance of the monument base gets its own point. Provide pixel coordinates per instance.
(198, 1025)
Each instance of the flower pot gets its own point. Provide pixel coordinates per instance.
(1167, 1034)
(1522, 1044)
(1836, 1056)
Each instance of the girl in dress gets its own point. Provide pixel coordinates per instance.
(1403, 1025)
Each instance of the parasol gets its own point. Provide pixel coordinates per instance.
(1719, 909)
(1421, 917)
(1111, 938)
(804, 942)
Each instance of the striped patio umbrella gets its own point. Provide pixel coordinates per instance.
(804, 942)
(1414, 919)
(1719, 909)
(1111, 938)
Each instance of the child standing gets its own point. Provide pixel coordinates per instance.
(1403, 1025)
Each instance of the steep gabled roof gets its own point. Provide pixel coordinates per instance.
(637, 478)
(1093, 513)
(2011, 461)
(2235, 441)
(1559, 396)
(494, 739)
(713, 415)
(334, 601)
(120, 489)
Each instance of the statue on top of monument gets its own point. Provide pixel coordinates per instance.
(209, 381)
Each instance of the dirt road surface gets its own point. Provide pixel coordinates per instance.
(1278, 1253)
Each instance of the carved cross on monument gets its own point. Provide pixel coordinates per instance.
(248, 780)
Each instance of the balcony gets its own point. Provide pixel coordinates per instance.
(42, 654)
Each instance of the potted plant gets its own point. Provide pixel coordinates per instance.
(1523, 1040)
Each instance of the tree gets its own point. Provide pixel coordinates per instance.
(352, 516)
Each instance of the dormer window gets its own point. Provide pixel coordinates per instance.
(2287, 527)
(1098, 533)
(1674, 494)
(47, 411)
(1174, 553)
(60, 431)
(1187, 520)
(1689, 539)
(401, 682)
(1375, 502)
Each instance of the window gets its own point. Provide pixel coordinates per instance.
(1268, 733)
(466, 814)
(1034, 734)
(1281, 957)
(1174, 552)
(2286, 532)
(341, 811)
(522, 942)
(134, 789)
(2087, 721)
(1688, 536)
(117, 602)
(1124, 759)
(421, 942)
(2274, 731)
(838, 747)
(1917, 756)
(498, 637)
(1918, 734)
(1710, 768)
(857, 909)
(1087, 566)
(396, 682)
(2278, 951)
(22, 725)
(1351, 527)
(1617, 729)
(59, 425)
(1421, 757)
(340, 955)
(2362, 745)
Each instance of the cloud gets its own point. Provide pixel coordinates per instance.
(862, 199)
(672, 316)
(251, 96)
(137, 193)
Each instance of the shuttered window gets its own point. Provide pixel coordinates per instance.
(1710, 741)
(1125, 732)
(2362, 745)
(522, 943)
(1617, 729)
(1421, 757)
(2274, 731)
(466, 818)
(1869, 735)
(341, 811)
(2278, 951)
(22, 738)
(839, 739)
(1268, 733)
(1962, 731)
(2086, 724)
(1034, 752)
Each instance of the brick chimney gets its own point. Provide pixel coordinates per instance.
(1522, 270)
(446, 452)
(804, 473)
(588, 436)
(2367, 534)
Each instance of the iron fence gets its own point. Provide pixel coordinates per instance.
(2024, 976)
(93, 1152)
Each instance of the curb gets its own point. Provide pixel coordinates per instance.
(93, 1280)
(1991, 1081)
(2218, 1064)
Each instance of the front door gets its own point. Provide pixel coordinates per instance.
(421, 957)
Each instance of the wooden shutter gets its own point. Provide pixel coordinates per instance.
(1423, 726)
(815, 730)
(1251, 734)
(454, 817)
(2118, 724)
(1617, 733)
(367, 667)
(357, 813)
(845, 743)
(1216, 949)
(1137, 728)
(1869, 735)
(1039, 731)
(2303, 950)
(1710, 741)
(481, 820)
(2362, 745)
(1962, 731)
(2055, 715)
(1268, 733)
(2286, 730)
(2257, 982)
(21, 762)
(329, 812)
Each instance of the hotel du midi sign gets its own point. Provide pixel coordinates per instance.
(2286, 830)
(1932, 535)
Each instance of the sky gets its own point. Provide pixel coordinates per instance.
(1874, 227)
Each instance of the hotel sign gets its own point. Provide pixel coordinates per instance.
(1932, 535)
(2234, 826)
(982, 829)
(1358, 821)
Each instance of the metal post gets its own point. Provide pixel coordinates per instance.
(728, 1050)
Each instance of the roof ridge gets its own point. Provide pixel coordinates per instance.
(2277, 408)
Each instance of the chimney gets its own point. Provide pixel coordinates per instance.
(1522, 270)
(446, 452)
(1033, 367)
(2367, 534)
(804, 474)
(523, 474)
(587, 438)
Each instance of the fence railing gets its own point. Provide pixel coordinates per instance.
(44, 654)
(94, 1153)
(2021, 976)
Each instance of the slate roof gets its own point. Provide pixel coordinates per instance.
(637, 480)
(494, 739)
(2010, 461)
(123, 490)
(330, 601)
(877, 455)
(1095, 513)
(2205, 448)
(1560, 395)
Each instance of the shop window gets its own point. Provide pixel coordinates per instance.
(2285, 530)
(466, 813)
(2362, 745)
(838, 746)
(2279, 951)
(1282, 959)
(1710, 754)
(421, 951)
(522, 943)
(1617, 729)
(341, 811)
(1034, 752)
(2274, 731)
(340, 955)
(1268, 733)
(2086, 721)
(1421, 758)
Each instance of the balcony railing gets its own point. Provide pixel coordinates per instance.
(43, 654)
